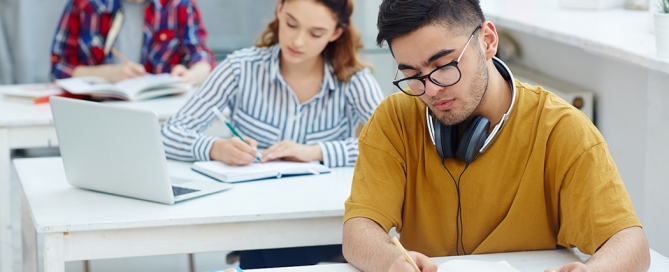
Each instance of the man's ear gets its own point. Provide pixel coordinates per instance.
(489, 39)
(337, 33)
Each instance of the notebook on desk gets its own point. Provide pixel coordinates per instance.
(255, 171)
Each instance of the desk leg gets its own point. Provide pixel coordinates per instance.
(53, 252)
(29, 237)
(6, 242)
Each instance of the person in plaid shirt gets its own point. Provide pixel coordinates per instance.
(170, 40)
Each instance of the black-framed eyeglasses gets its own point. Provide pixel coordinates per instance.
(444, 76)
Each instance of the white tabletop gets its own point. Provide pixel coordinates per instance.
(58, 207)
(616, 32)
(524, 261)
(16, 113)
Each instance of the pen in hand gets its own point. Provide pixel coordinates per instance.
(119, 55)
(406, 255)
(234, 131)
(133, 69)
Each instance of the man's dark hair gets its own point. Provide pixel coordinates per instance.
(401, 17)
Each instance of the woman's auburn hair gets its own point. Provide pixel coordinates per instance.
(342, 53)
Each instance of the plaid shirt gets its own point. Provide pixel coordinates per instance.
(173, 34)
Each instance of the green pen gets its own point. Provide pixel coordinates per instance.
(234, 131)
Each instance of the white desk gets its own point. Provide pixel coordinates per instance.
(83, 225)
(23, 125)
(523, 261)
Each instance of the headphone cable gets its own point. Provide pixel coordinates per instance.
(459, 228)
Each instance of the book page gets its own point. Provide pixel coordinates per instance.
(254, 171)
(272, 166)
(476, 266)
(133, 86)
(145, 87)
(30, 90)
(87, 85)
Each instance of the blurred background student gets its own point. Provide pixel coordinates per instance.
(299, 94)
(154, 36)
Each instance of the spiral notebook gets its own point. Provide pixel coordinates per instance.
(255, 171)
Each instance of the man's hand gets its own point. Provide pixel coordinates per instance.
(292, 151)
(424, 263)
(570, 267)
(233, 151)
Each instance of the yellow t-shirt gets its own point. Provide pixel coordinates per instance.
(547, 180)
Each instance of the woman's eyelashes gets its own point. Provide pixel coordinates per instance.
(313, 34)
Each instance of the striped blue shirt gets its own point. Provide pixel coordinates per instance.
(263, 107)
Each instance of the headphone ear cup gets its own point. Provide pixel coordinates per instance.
(473, 139)
(446, 138)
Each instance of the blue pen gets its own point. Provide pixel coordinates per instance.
(234, 131)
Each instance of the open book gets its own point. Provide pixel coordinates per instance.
(29, 92)
(254, 171)
(133, 89)
(476, 266)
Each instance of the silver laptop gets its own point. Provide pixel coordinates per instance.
(119, 151)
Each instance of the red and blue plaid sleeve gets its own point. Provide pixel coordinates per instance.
(194, 47)
(65, 48)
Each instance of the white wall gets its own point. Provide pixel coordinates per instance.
(6, 75)
(234, 24)
(656, 194)
(364, 18)
(30, 26)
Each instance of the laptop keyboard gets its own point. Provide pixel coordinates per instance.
(177, 191)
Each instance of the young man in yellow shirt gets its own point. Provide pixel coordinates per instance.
(472, 161)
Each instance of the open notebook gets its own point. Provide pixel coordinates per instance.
(476, 266)
(133, 89)
(254, 171)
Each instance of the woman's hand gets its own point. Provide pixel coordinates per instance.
(111, 72)
(233, 151)
(193, 76)
(292, 151)
(186, 75)
(130, 70)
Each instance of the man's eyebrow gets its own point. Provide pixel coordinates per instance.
(405, 67)
(438, 55)
(432, 58)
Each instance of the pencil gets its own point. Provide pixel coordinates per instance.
(119, 55)
(406, 255)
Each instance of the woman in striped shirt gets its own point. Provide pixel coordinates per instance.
(299, 93)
